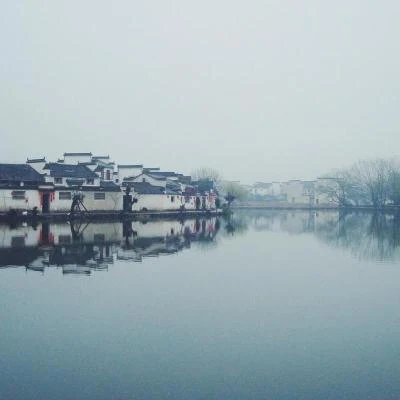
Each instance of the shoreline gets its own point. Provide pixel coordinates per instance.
(288, 207)
(108, 216)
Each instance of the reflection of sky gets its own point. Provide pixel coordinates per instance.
(265, 314)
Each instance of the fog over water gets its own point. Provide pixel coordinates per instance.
(262, 90)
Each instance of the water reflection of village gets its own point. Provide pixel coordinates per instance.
(80, 248)
(367, 236)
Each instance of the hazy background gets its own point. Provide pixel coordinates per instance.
(260, 90)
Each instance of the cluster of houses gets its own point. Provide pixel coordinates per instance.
(294, 192)
(96, 183)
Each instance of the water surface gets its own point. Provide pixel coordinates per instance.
(275, 305)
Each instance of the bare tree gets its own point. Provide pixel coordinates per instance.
(206, 173)
(234, 191)
(394, 183)
(338, 187)
(372, 177)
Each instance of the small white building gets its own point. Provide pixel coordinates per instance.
(21, 187)
(75, 158)
(299, 192)
(128, 171)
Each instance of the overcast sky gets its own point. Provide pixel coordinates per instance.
(260, 90)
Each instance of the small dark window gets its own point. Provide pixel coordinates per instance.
(58, 180)
(172, 199)
(18, 194)
(90, 181)
(64, 239)
(143, 179)
(64, 196)
(108, 175)
(100, 196)
(18, 241)
(99, 237)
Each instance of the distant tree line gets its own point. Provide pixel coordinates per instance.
(231, 191)
(368, 182)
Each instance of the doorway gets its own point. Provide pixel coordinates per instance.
(45, 202)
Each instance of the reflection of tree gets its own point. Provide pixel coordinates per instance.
(235, 224)
(365, 235)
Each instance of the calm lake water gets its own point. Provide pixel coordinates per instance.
(268, 305)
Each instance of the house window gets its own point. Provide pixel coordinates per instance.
(187, 199)
(143, 179)
(172, 199)
(18, 241)
(90, 181)
(18, 195)
(99, 196)
(108, 175)
(64, 196)
(58, 181)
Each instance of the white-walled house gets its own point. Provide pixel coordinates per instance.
(128, 171)
(327, 192)
(147, 178)
(21, 187)
(70, 180)
(299, 192)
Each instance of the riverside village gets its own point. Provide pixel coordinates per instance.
(87, 184)
(84, 183)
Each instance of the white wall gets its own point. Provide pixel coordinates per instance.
(126, 172)
(30, 200)
(151, 180)
(112, 202)
(38, 166)
(158, 202)
(295, 192)
(75, 159)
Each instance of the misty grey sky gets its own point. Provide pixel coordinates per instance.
(260, 90)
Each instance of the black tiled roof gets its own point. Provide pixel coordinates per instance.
(18, 173)
(69, 171)
(167, 173)
(35, 160)
(101, 157)
(130, 166)
(110, 186)
(77, 154)
(146, 188)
